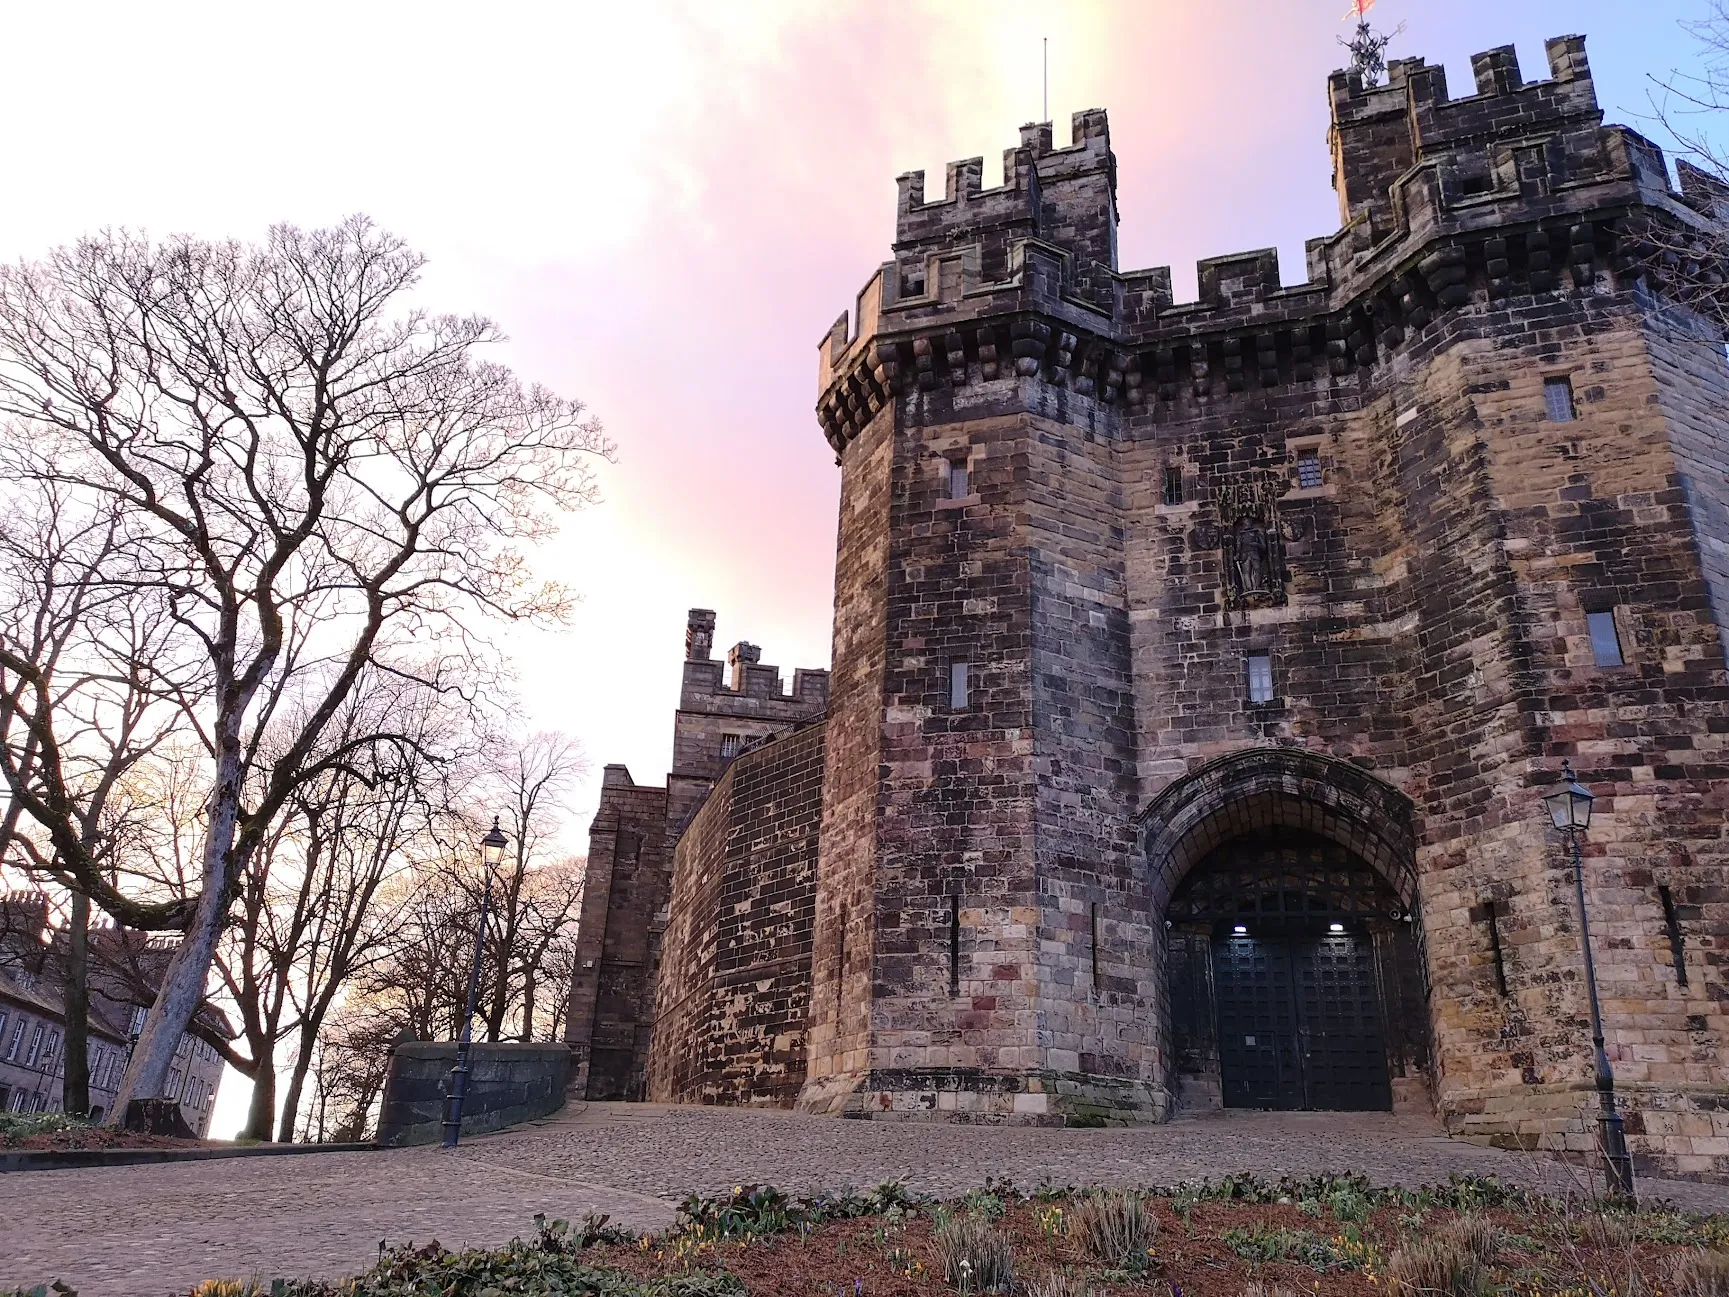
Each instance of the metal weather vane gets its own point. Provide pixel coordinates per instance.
(1368, 47)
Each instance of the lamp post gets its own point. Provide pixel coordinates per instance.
(1570, 809)
(492, 855)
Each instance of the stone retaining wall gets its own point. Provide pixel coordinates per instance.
(507, 1083)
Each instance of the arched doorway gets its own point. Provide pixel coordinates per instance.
(1293, 972)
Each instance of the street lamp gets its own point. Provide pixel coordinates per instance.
(1570, 809)
(492, 855)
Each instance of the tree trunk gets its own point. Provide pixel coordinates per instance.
(75, 1089)
(528, 1003)
(263, 1107)
(181, 993)
(296, 1083)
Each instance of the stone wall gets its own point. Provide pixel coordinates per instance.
(507, 1083)
(735, 977)
(618, 939)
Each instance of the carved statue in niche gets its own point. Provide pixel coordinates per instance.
(1251, 540)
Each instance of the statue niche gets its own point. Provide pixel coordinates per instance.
(1251, 541)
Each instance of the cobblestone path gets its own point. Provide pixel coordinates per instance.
(150, 1231)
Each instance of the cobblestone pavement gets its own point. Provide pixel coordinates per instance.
(149, 1231)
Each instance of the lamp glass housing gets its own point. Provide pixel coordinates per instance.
(1570, 807)
(492, 846)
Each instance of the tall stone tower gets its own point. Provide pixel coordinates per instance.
(1199, 668)
(981, 781)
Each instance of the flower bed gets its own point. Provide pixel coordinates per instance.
(1237, 1238)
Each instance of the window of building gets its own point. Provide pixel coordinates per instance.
(730, 744)
(137, 1019)
(1173, 484)
(1260, 678)
(958, 686)
(1558, 399)
(17, 1039)
(35, 1050)
(1605, 639)
(3, 1018)
(52, 1045)
(1309, 467)
(956, 478)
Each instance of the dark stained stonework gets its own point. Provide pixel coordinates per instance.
(631, 842)
(1360, 479)
(734, 985)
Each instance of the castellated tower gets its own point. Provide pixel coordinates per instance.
(1198, 669)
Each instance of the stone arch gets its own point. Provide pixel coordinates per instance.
(1278, 787)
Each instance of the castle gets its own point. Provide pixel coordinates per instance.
(1199, 669)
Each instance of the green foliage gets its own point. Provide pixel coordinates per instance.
(56, 1289)
(16, 1127)
(1262, 1242)
(516, 1268)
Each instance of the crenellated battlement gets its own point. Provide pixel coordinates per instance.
(1518, 188)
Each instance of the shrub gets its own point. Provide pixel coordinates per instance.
(1698, 1272)
(1435, 1267)
(1115, 1227)
(1474, 1232)
(976, 1258)
(1610, 1231)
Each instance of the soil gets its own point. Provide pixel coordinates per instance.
(873, 1258)
(80, 1137)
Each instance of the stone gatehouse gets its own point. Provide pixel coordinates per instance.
(1199, 668)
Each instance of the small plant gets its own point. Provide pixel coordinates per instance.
(1434, 1267)
(1256, 1288)
(976, 1258)
(1476, 1233)
(1351, 1202)
(1699, 1272)
(986, 1203)
(1058, 1284)
(1115, 1228)
(561, 1238)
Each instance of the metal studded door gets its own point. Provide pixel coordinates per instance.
(1300, 1022)
(1260, 1060)
(1339, 1009)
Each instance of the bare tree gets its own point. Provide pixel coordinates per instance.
(533, 898)
(1684, 251)
(293, 479)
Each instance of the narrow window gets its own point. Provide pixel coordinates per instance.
(957, 478)
(729, 745)
(1173, 484)
(839, 968)
(1673, 922)
(954, 943)
(957, 686)
(1495, 946)
(1309, 467)
(1260, 678)
(17, 1039)
(1095, 945)
(31, 1054)
(1558, 399)
(1605, 639)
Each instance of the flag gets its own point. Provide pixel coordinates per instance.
(1359, 11)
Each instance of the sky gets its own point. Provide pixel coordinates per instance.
(666, 203)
